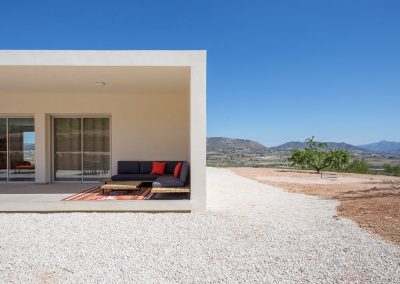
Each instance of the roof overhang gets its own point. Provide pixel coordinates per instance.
(102, 57)
(53, 71)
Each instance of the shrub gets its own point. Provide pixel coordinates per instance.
(359, 166)
(392, 170)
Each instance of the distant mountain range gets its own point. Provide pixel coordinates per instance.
(29, 146)
(330, 145)
(226, 145)
(386, 147)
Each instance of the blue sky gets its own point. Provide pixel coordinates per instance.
(277, 70)
(29, 137)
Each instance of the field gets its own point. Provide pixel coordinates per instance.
(373, 201)
(279, 158)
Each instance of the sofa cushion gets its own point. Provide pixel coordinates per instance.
(177, 170)
(158, 168)
(184, 172)
(128, 167)
(145, 167)
(170, 167)
(134, 177)
(168, 181)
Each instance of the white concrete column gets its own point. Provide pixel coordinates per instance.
(198, 135)
(41, 148)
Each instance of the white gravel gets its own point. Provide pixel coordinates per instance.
(251, 233)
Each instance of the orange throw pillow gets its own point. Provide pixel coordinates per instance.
(158, 168)
(177, 170)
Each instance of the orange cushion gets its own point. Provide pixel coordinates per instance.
(158, 168)
(28, 167)
(177, 170)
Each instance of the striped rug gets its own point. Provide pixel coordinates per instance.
(96, 193)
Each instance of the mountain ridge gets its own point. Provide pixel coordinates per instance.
(384, 146)
(215, 144)
(226, 144)
(29, 146)
(330, 145)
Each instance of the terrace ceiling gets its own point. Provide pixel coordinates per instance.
(72, 79)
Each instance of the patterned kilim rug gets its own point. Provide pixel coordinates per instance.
(96, 193)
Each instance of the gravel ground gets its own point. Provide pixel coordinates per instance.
(250, 233)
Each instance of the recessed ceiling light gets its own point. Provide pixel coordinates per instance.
(100, 84)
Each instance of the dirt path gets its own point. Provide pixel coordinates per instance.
(370, 200)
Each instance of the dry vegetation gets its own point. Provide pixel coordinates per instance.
(373, 201)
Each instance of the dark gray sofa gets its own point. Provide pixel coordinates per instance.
(140, 171)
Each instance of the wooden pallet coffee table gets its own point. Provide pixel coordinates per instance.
(170, 190)
(110, 185)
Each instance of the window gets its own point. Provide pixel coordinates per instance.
(17, 149)
(81, 148)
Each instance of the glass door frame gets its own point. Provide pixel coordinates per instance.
(7, 117)
(7, 152)
(52, 137)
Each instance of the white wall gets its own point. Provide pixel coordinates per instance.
(143, 126)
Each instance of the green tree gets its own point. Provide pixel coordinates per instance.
(340, 159)
(318, 157)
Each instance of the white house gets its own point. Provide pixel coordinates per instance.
(57, 106)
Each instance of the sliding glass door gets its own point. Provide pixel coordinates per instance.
(67, 149)
(17, 149)
(81, 148)
(96, 148)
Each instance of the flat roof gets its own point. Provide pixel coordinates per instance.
(102, 57)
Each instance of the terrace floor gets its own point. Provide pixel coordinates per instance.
(30, 192)
(30, 197)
